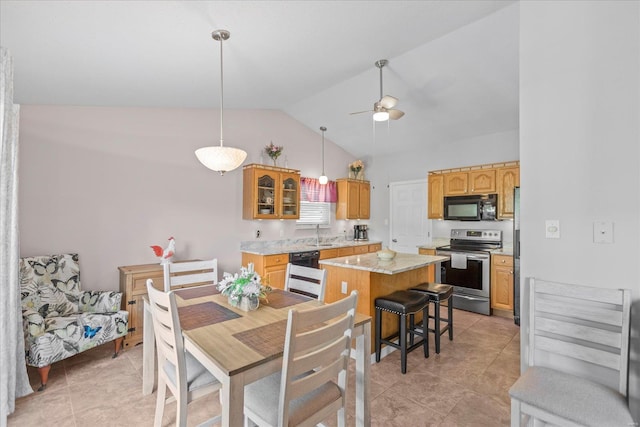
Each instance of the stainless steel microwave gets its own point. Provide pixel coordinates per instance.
(480, 207)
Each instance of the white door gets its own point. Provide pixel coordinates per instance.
(409, 224)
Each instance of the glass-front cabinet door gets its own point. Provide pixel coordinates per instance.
(290, 196)
(270, 192)
(267, 197)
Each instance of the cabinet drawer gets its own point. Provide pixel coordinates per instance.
(140, 281)
(375, 247)
(361, 249)
(346, 251)
(328, 253)
(504, 260)
(278, 259)
(424, 251)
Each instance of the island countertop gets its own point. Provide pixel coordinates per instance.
(370, 262)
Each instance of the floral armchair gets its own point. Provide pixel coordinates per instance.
(59, 319)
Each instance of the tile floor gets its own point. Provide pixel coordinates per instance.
(465, 385)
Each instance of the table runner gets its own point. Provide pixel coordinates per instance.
(203, 314)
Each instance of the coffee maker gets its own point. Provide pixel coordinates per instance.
(360, 232)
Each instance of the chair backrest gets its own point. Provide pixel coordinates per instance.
(50, 284)
(306, 280)
(190, 273)
(580, 330)
(316, 351)
(166, 326)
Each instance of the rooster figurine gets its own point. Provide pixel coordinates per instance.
(165, 254)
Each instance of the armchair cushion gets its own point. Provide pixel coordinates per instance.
(59, 319)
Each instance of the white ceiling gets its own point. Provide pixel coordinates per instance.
(453, 64)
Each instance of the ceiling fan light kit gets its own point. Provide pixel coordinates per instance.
(383, 109)
(220, 158)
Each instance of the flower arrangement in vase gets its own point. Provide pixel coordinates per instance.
(356, 167)
(273, 151)
(244, 289)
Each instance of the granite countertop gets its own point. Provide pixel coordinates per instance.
(309, 244)
(371, 262)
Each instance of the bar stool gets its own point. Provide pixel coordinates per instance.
(403, 303)
(438, 292)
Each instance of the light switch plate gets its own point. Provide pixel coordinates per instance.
(602, 232)
(344, 287)
(552, 228)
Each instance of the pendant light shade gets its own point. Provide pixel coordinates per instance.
(220, 158)
(323, 178)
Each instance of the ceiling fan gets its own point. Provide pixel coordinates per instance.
(383, 109)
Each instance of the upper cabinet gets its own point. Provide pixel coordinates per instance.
(498, 178)
(508, 179)
(436, 197)
(473, 182)
(354, 199)
(270, 192)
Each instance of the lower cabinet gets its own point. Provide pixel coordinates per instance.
(272, 268)
(502, 284)
(431, 271)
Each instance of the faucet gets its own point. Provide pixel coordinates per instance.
(317, 234)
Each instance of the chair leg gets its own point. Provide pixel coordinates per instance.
(425, 330)
(160, 401)
(118, 346)
(450, 316)
(44, 376)
(403, 343)
(515, 413)
(378, 333)
(412, 325)
(436, 326)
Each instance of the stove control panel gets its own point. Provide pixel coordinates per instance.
(476, 235)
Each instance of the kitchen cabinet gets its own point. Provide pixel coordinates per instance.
(270, 192)
(498, 178)
(436, 197)
(375, 247)
(508, 179)
(431, 271)
(481, 181)
(502, 284)
(354, 199)
(329, 253)
(133, 285)
(272, 268)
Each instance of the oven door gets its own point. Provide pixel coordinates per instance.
(471, 285)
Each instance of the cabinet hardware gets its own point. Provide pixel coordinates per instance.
(131, 330)
(131, 302)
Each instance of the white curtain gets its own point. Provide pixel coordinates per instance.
(14, 382)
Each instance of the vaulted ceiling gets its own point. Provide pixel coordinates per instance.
(452, 64)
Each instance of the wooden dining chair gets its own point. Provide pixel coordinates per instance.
(578, 357)
(306, 280)
(178, 370)
(313, 381)
(190, 273)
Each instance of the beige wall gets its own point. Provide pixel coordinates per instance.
(109, 182)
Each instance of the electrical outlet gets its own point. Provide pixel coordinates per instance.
(344, 287)
(552, 229)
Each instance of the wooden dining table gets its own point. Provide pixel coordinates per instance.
(240, 347)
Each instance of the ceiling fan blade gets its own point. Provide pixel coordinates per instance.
(388, 101)
(360, 112)
(395, 114)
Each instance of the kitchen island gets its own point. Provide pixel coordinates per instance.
(373, 278)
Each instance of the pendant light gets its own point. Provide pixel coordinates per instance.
(323, 178)
(220, 158)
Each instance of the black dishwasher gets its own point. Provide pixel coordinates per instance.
(305, 258)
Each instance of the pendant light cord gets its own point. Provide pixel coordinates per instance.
(221, 93)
